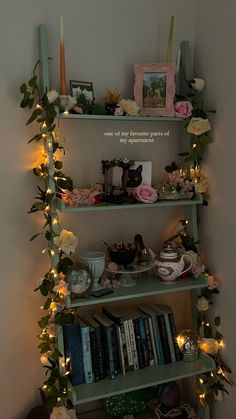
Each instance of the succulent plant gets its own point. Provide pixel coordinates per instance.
(112, 97)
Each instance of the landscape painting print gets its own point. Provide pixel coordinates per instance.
(154, 89)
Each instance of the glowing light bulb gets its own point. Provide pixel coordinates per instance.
(47, 208)
(38, 106)
(66, 113)
(194, 145)
(44, 125)
(201, 381)
(45, 386)
(202, 396)
(52, 252)
(49, 191)
(221, 344)
(44, 135)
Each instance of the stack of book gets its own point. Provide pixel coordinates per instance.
(117, 341)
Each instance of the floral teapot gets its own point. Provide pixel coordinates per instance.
(169, 264)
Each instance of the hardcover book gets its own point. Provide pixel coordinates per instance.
(73, 351)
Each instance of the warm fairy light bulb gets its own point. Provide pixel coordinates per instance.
(52, 253)
(44, 250)
(207, 324)
(59, 399)
(38, 106)
(45, 386)
(56, 178)
(202, 396)
(194, 145)
(221, 344)
(186, 221)
(220, 371)
(49, 191)
(66, 113)
(54, 221)
(44, 135)
(201, 381)
(47, 208)
(44, 125)
(212, 375)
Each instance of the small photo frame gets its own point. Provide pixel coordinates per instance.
(85, 88)
(154, 89)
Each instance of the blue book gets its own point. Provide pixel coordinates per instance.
(73, 351)
(87, 359)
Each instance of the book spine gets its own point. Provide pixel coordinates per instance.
(73, 350)
(152, 340)
(156, 329)
(94, 356)
(169, 337)
(144, 341)
(174, 335)
(149, 343)
(85, 338)
(128, 345)
(108, 352)
(133, 345)
(101, 355)
(164, 338)
(140, 353)
(115, 352)
(120, 349)
(124, 347)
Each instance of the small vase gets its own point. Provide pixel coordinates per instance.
(96, 263)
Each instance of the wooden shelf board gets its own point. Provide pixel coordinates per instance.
(147, 377)
(122, 118)
(146, 286)
(197, 200)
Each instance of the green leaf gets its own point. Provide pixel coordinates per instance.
(219, 335)
(25, 100)
(44, 347)
(36, 138)
(43, 322)
(37, 206)
(34, 116)
(217, 321)
(56, 355)
(189, 158)
(47, 304)
(199, 113)
(184, 154)
(58, 164)
(33, 82)
(48, 235)
(34, 236)
(37, 171)
(64, 265)
(23, 88)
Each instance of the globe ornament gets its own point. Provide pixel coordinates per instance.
(188, 343)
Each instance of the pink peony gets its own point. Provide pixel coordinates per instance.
(183, 109)
(212, 282)
(146, 194)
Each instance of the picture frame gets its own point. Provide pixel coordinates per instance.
(80, 280)
(78, 87)
(154, 89)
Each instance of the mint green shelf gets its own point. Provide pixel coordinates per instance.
(122, 118)
(136, 380)
(96, 414)
(111, 207)
(146, 286)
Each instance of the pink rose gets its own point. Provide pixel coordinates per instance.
(213, 282)
(183, 109)
(146, 194)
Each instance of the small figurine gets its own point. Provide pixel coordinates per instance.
(143, 254)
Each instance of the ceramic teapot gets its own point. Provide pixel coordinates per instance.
(169, 264)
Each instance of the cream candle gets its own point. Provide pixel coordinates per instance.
(62, 59)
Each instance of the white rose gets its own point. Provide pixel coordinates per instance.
(198, 126)
(209, 345)
(129, 106)
(67, 241)
(67, 101)
(198, 84)
(202, 304)
(60, 413)
(52, 95)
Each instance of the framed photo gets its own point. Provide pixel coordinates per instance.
(80, 280)
(154, 89)
(85, 88)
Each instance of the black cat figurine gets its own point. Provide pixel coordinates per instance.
(133, 177)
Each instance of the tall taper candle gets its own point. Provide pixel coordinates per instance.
(62, 60)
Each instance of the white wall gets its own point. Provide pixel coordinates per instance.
(215, 61)
(103, 41)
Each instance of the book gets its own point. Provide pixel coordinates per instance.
(163, 334)
(86, 349)
(158, 344)
(108, 329)
(73, 351)
(116, 316)
(168, 331)
(97, 350)
(149, 341)
(168, 309)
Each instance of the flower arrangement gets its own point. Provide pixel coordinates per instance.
(176, 185)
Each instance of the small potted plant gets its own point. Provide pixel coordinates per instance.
(111, 100)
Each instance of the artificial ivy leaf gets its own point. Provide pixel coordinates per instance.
(43, 322)
(171, 168)
(64, 265)
(23, 88)
(199, 113)
(37, 206)
(205, 139)
(34, 236)
(44, 347)
(31, 102)
(189, 158)
(217, 321)
(47, 304)
(219, 335)
(37, 171)
(48, 235)
(25, 100)
(56, 355)
(184, 154)
(58, 164)
(34, 116)
(33, 82)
